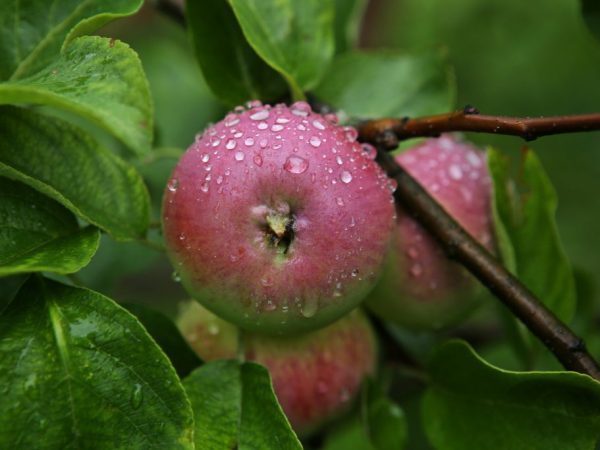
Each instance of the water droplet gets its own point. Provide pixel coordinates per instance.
(346, 177)
(474, 159)
(416, 270)
(205, 158)
(137, 395)
(309, 307)
(295, 164)
(215, 142)
(332, 118)
(204, 187)
(301, 127)
(318, 125)
(455, 172)
(315, 141)
(369, 151)
(232, 122)
(277, 128)
(339, 201)
(230, 145)
(354, 273)
(213, 329)
(249, 142)
(238, 135)
(219, 179)
(351, 134)
(339, 160)
(260, 115)
(270, 306)
(258, 160)
(176, 277)
(263, 126)
(172, 185)
(181, 237)
(239, 156)
(263, 143)
(282, 120)
(300, 109)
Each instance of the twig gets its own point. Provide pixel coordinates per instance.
(459, 245)
(388, 132)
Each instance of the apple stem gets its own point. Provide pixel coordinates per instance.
(388, 132)
(569, 349)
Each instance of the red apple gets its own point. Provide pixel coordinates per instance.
(421, 288)
(315, 375)
(277, 220)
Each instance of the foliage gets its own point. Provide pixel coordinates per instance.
(84, 157)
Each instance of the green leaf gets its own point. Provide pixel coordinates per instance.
(9, 287)
(294, 37)
(232, 69)
(78, 371)
(385, 420)
(66, 164)
(168, 337)
(98, 78)
(235, 407)
(34, 31)
(473, 405)
(526, 212)
(388, 84)
(38, 234)
(348, 17)
(351, 435)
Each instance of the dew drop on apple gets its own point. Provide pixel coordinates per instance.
(315, 141)
(282, 120)
(249, 142)
(309, 307)
(339, 201)
(346, 177)
(230, 145)
(172, 185)
(416, 270)
(137, 395)
(204, 187)
(339, 160)
(277, 127)
(295, 164)
(318, 125)
(455, 172)
(176, 277)
(300, 109)
(239, 156)
(351, 134)
(260, 115)
(369, 151)
(205, 158)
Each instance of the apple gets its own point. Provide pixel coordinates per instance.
(315, 375)
(421, 288)
(277, 219)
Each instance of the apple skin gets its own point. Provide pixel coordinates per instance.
(421, 288)
(277, 220)
(316, 375)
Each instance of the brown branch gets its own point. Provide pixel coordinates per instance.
(388, 132)
(459, 245)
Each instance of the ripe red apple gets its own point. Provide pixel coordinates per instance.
(277, 219)
(315, 375)
(421, 288)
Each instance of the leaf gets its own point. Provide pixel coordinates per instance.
(351, 435)
(294, 37)
(232, 69)
(9, 287)
(388, 84)
(38, 234)
(348, 17)
(235, 407)
(66, 164)
(526, 211)
(98, 78)
(35, 30)
(385, 420)
(473, 405)
(78, 371)
(168, 337)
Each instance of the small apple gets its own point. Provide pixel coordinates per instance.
(315, 375)
(421, 288)
(277, 220)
